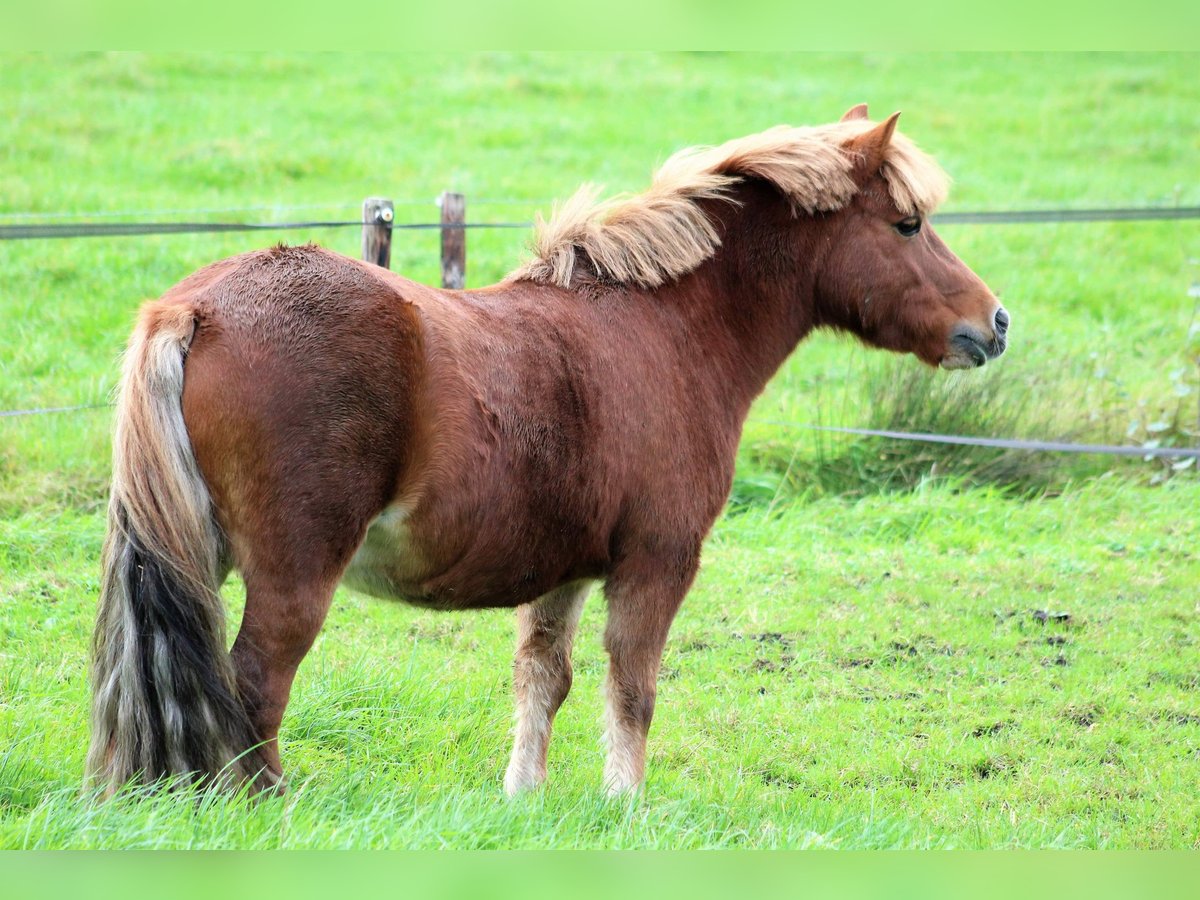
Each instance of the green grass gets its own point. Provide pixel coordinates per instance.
(846, 673)
(860, 663)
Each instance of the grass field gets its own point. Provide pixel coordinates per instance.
(862, 663)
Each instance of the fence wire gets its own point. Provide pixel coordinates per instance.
(929, 438)
(42, 230)
(1004, 217)
(43, 410)
(262, 207)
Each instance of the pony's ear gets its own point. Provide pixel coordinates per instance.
(855, 112)
(870, 146)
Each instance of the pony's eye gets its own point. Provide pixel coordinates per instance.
(908, 227)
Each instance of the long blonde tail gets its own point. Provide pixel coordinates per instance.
(165, 698)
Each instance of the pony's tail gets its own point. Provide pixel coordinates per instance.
(165, 698)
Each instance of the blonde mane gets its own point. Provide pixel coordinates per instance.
(662, 234)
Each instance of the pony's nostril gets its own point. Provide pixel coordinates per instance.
(1002, 320)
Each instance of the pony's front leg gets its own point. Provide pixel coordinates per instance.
(642, 602)
(541, 679)
(282, 619)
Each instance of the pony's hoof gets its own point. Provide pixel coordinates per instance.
(517, 782)
(267, 784)
(617, 790)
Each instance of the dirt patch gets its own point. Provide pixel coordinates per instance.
(922, 645)
(1046, 616)
(856, 662)
(1178, 718)
(992, 767)
(1083, 716)
(766, 637)
(771, 665)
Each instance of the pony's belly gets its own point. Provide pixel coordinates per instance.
(389, 565)
(385, 565)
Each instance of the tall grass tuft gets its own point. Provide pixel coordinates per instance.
(1003, 401)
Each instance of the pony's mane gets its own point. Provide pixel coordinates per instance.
(662, 234)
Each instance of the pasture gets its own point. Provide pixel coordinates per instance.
(888, 646)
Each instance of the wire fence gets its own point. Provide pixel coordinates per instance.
(1033, 445)
(58, 230)
(45, 410)
(127, 229)
(262, 207)
(42, 230)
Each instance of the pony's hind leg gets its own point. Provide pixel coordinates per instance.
(642, 602)
(541, 679)
(302, 429)
(279, 626)
(291, 564)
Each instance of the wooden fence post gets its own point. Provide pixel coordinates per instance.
(377, 216)
(454, 241)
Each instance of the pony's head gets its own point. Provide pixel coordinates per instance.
(852, 229)
(887, 276)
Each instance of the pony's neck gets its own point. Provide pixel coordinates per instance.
(753, 301)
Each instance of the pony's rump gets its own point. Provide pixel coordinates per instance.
(165, 698)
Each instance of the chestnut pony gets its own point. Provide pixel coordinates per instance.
(308, 419)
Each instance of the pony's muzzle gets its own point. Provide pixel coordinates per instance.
(970, 348)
